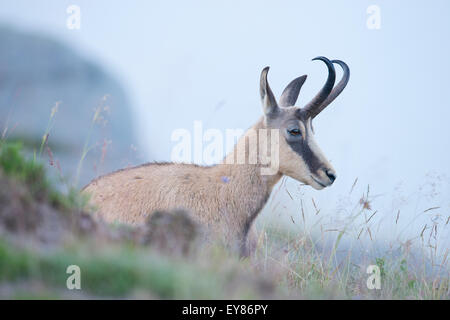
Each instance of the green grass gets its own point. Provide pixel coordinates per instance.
(29, 172)
(119, 271)
(32, 173)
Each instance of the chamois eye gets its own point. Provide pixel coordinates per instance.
(294, 132)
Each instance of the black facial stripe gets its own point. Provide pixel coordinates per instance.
(303, 150)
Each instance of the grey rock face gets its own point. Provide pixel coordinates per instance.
(37, 73)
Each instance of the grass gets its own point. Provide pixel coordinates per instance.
(303, 267)
(97, 117)
(121, 271)
(334, 262)
(33, 175)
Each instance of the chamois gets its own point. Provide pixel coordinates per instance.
(227, 197)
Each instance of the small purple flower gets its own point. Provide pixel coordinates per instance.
(225, 179)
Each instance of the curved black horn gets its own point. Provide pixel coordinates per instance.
(336, 90)
(317, 101)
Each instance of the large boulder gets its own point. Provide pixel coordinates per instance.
(37, 73)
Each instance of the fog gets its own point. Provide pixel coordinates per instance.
(183, 61)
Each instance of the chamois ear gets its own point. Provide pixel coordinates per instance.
(290, 94)
(270, 106)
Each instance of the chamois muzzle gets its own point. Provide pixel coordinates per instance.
(331, 175)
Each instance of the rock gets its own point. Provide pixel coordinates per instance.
(172, 232)
(37, 73)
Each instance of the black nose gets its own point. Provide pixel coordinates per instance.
(331, 175)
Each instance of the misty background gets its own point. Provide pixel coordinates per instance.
(165, 64)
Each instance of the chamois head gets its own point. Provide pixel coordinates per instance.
(300, 157)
